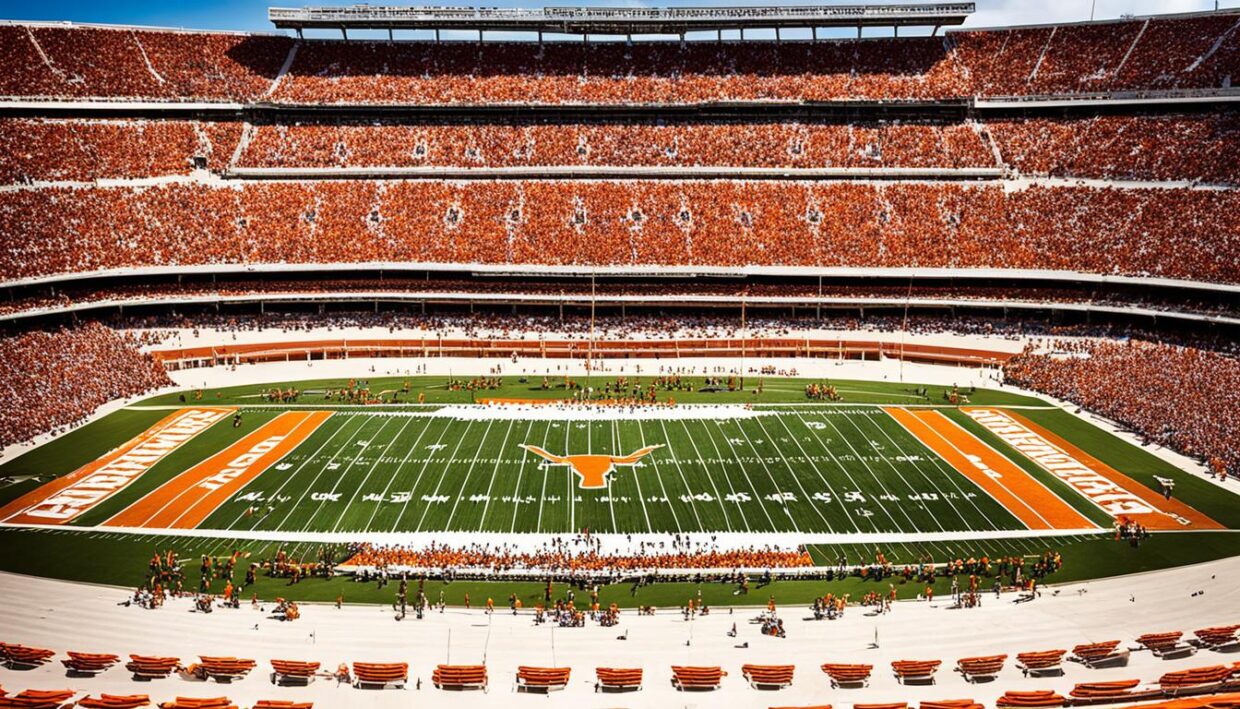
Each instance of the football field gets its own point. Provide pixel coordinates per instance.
(786, 466)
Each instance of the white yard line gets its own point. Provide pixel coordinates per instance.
(795, 527)
(495, 473)
(641, 497)
(430, 453)
(469, 471)
(396, 473)
(362, 485)
(929, 512)
(795, 477)
(306, 489)
(655, 464)
(830, 488)
(322, 504)
(844, 469)
(740, 465)
(516, 491)
(710, 478)
(444, 474)
(676, 459)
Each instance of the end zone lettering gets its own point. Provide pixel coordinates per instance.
(122, 467)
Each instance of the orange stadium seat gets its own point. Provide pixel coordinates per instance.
(460, 677)
(1167, 644)
(38, 699)
(151, 667)
(882, 705)
(293, 672)
(848, 675)
(282, 704)
(1221, 637)
(917, 671)
(199, 703)
(1112, 691)
(1036, 698)
(975, 669)
(115, 701)
(697, 678)
(86, 663)
(618, 679)
(23, 657)
(543, 679)
(221, 669)
(1044, 662)
(768, 676)
(379, 674)
(1195, 679)
(1101, 654)
(951, 704)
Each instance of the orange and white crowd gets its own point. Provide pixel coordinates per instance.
(662, 144)
(1185, 398)
(1196, 52)
(52, 380)
(1175, 233)
(84, 150)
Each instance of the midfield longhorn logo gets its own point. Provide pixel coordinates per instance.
(592, 469)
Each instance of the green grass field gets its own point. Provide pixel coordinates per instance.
(789, 465)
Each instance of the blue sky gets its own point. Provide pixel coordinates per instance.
(252, 14)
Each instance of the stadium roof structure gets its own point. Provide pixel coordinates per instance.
(620, 20)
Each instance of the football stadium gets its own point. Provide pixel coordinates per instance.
(864, 356)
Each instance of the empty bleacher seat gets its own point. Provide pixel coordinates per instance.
(282, 704)
(618, 679)
(1103, 692)
(1043, 662)
(1197, 678)
(1035, 698)
(115, 701)
(1167, 644)
(1101, 654)
(24, 657)
(843, 675)
(915, 670)
(703, 678)
(768, 676)
(199, 703)
(38, 699)
(1221, 637)
(985, 667)
(543, 679)
(460, 677)
(152, 667)
(87, 663)
(293, 671)
(222, 669)
(380, 674)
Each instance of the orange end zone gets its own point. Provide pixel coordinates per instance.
(1026, 498)
(1113, 491)
(68, 496)
(187, 500)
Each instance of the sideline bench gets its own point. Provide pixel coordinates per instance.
(843, 675)
(380, 674)
(920, 671)
(618, 679)
(544, 679)
(768, 676)
(293, 672)
(147, 667)
(975, 669)
(460, 677)
(695, 678)
(87, 663)
(115, 701)
(1103, 654)
(1040, 663)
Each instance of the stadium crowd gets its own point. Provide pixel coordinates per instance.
(1194, 52)
(84, 150)
(50, 381)
(1175, 147)
(1175, 233)
(1181, 397)
(744, 144)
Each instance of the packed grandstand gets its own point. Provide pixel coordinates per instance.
(735, 350)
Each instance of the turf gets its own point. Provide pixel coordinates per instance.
(120, 560)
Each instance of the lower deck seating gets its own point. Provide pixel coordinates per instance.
(951, 704)
(379, 674)
(886, 705)
(843, 675)
(915, 670)
(618, 679)
(543, 679)
(1102, 654)
(152, 667)
(293, 672)
(282, 704)
(87, 663)
(1043, 662)
(222, 669)
(115, 701)
(704, 678)
(460, 677)
(768, 676)
(1035, 698)
(1218, 637)
(986, 667)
